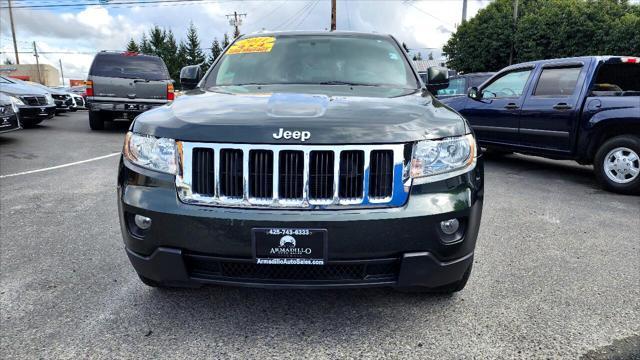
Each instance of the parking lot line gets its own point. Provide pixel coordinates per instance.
(60, 166)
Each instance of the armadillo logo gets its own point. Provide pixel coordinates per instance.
(287, 247)
(288, 242)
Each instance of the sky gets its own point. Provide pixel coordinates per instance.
(74, 33)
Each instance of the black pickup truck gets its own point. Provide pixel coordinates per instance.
(585, 109)
(305, 160)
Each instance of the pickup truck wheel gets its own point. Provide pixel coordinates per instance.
(617, 164)
(96, 121)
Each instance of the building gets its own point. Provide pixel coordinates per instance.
(423, 65)
(47, 75)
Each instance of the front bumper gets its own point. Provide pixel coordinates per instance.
(123, 107)
(37, 112)
(401, 246)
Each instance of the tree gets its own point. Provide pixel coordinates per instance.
(157, 38)
(405, 47)
(225, 41)
(193, 52)
(8, 61)
(430, 56)
(417, 57)
(216, 50)
(545, 29)
(145, 46)
(169, 54)
(132, 46)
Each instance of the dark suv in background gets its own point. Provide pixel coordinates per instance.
(125, 84)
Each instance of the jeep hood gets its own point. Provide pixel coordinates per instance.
(206, 116)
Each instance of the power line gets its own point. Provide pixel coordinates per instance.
(307, 15)
(290, 19)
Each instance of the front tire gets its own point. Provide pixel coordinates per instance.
(96, 120)
(617, 164)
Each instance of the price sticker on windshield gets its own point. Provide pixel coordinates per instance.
(252, 45)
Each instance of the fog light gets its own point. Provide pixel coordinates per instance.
(450, 226)
(142, 222)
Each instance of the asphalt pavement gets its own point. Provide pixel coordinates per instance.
(556, 274)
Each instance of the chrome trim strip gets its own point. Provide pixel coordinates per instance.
(184, 178)
(553, 133)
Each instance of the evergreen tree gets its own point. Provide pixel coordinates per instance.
(170, 55)
(145, 46)
(405, 47)
(194, 53)
(216, 50)
(157, 38)
(225, 41)
(8, 61)
(430, 56)
(132, 46)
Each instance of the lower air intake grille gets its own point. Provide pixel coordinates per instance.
(215, 268)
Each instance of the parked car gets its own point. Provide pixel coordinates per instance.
(585, 109)
(125, 84)
(459, 85)
(303, 160)
(77, 100)
(8, 114)
(61, 98)
(34, 103)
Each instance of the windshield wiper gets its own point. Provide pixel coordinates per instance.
(338, 82)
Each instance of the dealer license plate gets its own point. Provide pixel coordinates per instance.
(283, 246)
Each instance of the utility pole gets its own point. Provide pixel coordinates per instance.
(464, 11)
(333, 15)
(235, 20)
(61, 72)
(35, 51)
(515, 24)
(13, 33)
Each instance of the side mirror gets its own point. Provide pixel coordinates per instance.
(474, 93)
(190, 76)
(437, 78)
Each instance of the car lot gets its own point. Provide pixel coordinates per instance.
(556, 274)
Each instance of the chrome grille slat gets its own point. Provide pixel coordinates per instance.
(283, 176)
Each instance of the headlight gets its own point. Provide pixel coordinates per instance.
(435, 160)
(15, 102)
(49, 99)
(153, 153)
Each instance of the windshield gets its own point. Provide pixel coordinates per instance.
(129, 67)
(457, 86)
(313, 59)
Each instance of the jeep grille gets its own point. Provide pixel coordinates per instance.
(291, 176)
